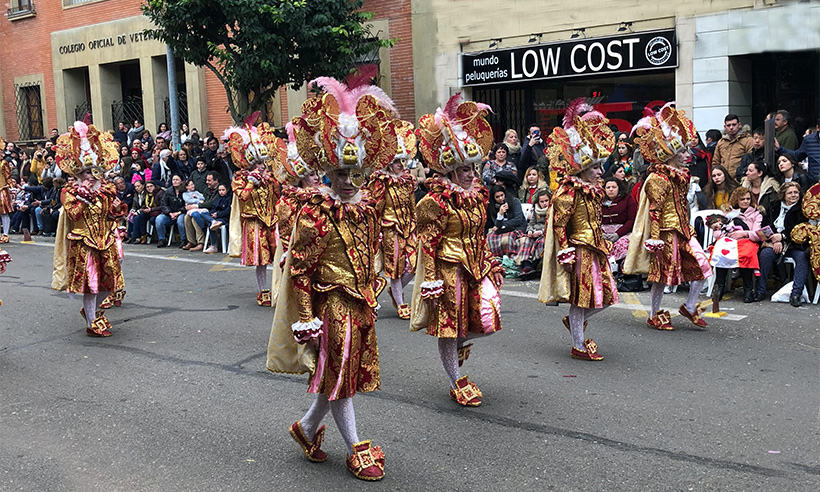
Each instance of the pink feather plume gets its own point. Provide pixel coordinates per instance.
(251, 120)
(339, 91)
(379, 94)
(576, 108)
(452, 105)
(81, 129)
(291, 132)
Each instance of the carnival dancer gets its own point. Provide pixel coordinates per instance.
(327, 299)
(256, 191)
(576, 269)
(86, 260)
(457, 296)
(393, 190)
(6, 205)
(662, 242)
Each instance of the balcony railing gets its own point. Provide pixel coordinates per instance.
(21, 9)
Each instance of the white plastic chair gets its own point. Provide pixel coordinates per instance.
(223, 233)
(171, 231)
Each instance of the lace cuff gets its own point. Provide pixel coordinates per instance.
(566, 256)
(432, 289)
(653, 245)
(303, 331)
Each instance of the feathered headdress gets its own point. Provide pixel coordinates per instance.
(454, 136)
(405, 141)
(664, 134)
(295, 166)
(251, 145)
(585, 140)
(84, 148)
(352, 129)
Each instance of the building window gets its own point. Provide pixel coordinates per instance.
(29, 113)
(20, 9)
(366, 68)
(69, 3)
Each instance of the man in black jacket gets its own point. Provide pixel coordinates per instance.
(532, 153)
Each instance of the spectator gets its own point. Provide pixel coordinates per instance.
(184, 133)
(533, 183)
(51, 205)
(149, 212)
(161, 144)
(199, 174)
(731, 148)
(618, 216)
(121, 135)
(764, 188)
(216, 160)
(36, 192)
(782, 216)
(623, 156)
(758, 153)
(164, 169)
(198, 217)
(784, 135)
(51, 170)
(789, 170)
(701, 163)
(55, 134)
(220, 213)
(185, 163)
(164, 132)
(514, 151)
(173, 211)
(617, 171)
(509, 181)
(729, 253)
(41, 198)
(532, 152)
(125, 191)
(137, 203)
(193, 206)
(531, 245)
(21, 218)
(496, 163)
(147, 142)
(135, 132)
(712, 138)
(508, 222)
(38, 164)
(809, 149)
(718, 190)
(139, 170)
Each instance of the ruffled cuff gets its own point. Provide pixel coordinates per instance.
(304, 331)
(653, 245)
(566, 256)
(432, 289)
(5, 257)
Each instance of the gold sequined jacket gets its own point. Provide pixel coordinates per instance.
(91, 222)
(577, 215)
(395, 200)
(287, 209)
(666, 189)
(256, 201)
(333, 248)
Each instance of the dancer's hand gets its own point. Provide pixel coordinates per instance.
(498, 277)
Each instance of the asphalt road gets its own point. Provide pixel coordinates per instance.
(179, 398)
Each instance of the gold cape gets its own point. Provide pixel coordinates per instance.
(554, 279)
(59, 273)
(235, 229)
(637, 257)
(419, 309)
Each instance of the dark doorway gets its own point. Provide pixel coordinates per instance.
(786, 81)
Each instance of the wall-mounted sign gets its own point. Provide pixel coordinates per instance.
(631, 52)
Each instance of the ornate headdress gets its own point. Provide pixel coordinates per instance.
(85, 148)
(585, 140)
(353, 129)
(295, 167)
(664, 134)
(406, 141)
(251, 145)
(454, 136)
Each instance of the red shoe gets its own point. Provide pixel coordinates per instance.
(311, 449)
(366, 462)
(661, 321)
(566, 324)
(120, 295)
(694, 317)
(466, 393)
(263, 298)
(403, 311)
(108, 301)
(100, 327)
(590, 354)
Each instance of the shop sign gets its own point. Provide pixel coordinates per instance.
(632, 52)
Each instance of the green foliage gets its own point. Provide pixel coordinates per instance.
(256, 46)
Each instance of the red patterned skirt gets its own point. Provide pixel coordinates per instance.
(91, 271)
(258, 243)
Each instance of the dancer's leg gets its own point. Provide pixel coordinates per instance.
(694, 292)
(313, 418)
(656, 296)
(342, 411)
(396, 289)
(261, 277)
(6, 221)
(90, 306)
(406, 278)
(448, 351)
(576, 326)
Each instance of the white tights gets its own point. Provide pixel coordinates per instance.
(90, 306)
(397, 285)
(261, 277)
(6, 221)
(656, 295)
(343, 414)
(577, 317)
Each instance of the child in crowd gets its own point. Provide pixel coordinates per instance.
(193, 197)
(531, 245)
(729, 253)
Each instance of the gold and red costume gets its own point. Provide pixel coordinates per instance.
(395, 202)
(454, 252)
(287, 210)
(575, 222)
(256, 200)
(6, 205)
(334, 280)
(93, 259)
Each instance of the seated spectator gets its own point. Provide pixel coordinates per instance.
(37, 192)
(729, 252)
(198, 175)
(764, 188)
(533, 183)
(193, 206)
(125, 191)
(137, 203)
(50, 208)
(782, 216)
(149, 212)
(498, 162)
(164, 169)
(618, 171)
(719, 188)
(622, 156)
(618, 216)
(185, 163)
(509, 181)
(531, 245)
(121, 135)
(220, 213)
(789, 170)
(21, 218)
(45, 199)
(173, 211)
(147, 142)
(508, 222)
(51, 170)
(164, 132)
(139, 168)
